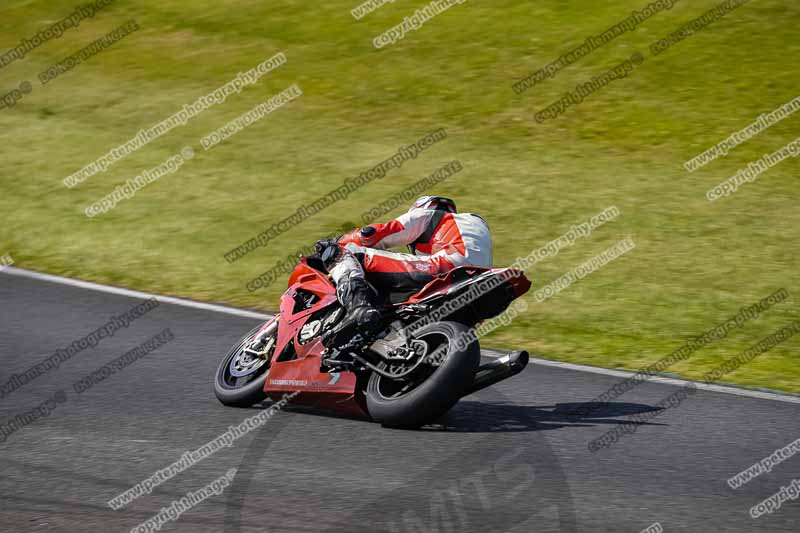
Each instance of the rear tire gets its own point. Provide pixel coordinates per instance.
(438, 393)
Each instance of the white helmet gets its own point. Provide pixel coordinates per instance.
(435, 202)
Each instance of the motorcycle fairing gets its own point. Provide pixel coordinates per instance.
(337, 390)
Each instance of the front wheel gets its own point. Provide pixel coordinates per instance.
(431, 390)
(240, 377)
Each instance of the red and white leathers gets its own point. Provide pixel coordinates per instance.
(440, 241)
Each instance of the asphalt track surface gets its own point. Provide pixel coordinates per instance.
(510, 458)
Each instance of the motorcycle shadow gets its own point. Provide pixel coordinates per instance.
(479, 417)
(469, 416)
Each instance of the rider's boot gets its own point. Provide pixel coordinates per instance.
(362, 317)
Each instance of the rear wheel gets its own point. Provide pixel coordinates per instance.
(432, 389)
(240, 377)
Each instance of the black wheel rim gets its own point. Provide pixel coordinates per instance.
(241, 368)
(391, 389)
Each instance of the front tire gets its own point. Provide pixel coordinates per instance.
(439, 391)
(239, 382)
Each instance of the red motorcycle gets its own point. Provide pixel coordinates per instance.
(424, 359)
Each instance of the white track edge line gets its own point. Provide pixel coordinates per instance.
(762, 395)
(725, 389)
(132, 293)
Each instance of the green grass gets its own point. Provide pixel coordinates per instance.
(695, 264)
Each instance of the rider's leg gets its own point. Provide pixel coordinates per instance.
(406, 268)
(347, 267)
(353, 292)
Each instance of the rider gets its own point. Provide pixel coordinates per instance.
(439, 237)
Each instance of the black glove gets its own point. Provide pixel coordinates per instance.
(323, 244)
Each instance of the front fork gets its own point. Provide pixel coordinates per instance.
(263, 342)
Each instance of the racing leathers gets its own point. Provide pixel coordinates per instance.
(438, 239)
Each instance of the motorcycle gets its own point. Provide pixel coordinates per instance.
(424, 358)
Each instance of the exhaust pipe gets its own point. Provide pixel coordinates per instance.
(502, 368)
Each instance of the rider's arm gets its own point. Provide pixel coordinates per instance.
(401, 231)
